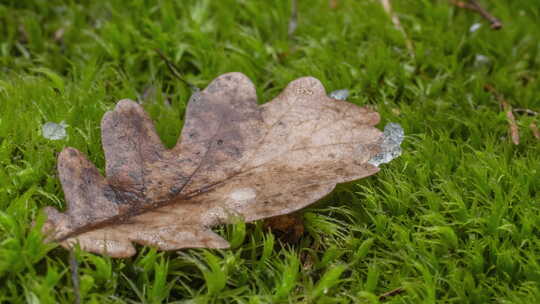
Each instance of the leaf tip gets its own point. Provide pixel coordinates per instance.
(232, 81)
(125, 104)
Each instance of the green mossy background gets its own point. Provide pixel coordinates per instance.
(456, 219)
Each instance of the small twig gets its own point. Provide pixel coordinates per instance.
(391, 293)
(175, 70)
(507, 108)
(75, 276)
(473, 5)
(526, 111)
(397, 24)
(293, 22)
(534, 130)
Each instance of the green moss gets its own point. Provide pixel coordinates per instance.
(455, 219)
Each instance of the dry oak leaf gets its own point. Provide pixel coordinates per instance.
(234, 158)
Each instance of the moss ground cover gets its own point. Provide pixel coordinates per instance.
(455, 219)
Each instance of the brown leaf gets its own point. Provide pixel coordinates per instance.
(512, 124)
(234, 159)
(507, 108)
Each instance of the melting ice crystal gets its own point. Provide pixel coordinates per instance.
(339, 94)
(390, 148)
(54, 131)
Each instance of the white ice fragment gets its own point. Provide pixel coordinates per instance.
(480, 59)
(339, 94)
(475, 27)
(390, 148)
(410, 69)
(54, 131)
